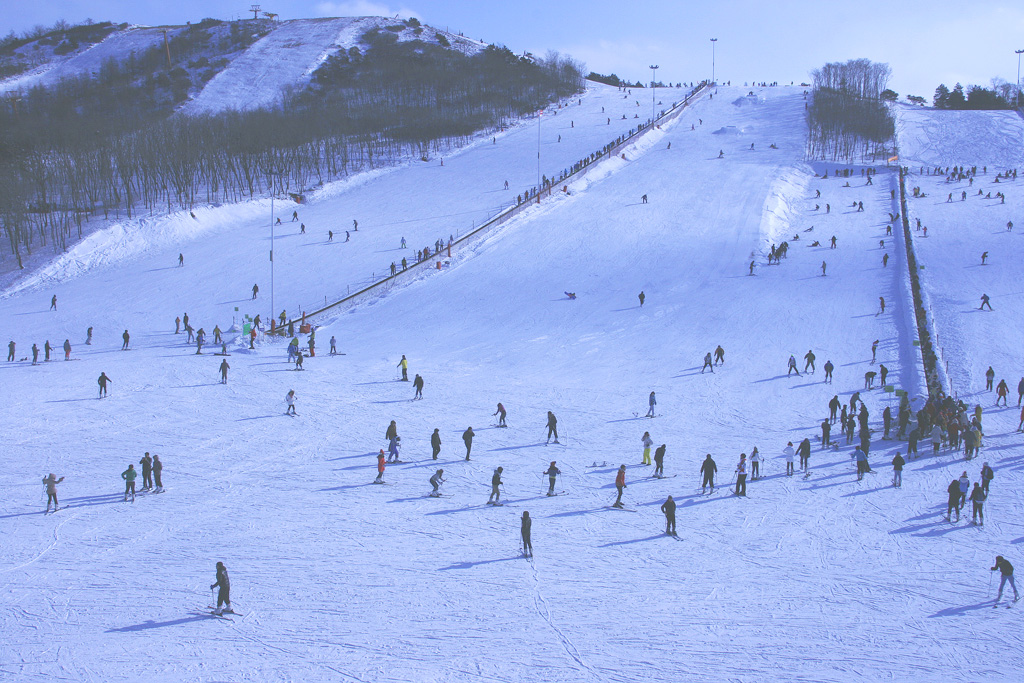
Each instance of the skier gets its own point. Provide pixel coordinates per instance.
(809, 357)
(35, 354)
(47, 348)
(862, 462)
(881, 305)
(147, 472)
(102, 381)
(874, 349)
(883, 373)
(392, 431)
(380, 467)
(824, 267)
(720, 355)
(647, 442)
(158, 468)
(298, 360)
(755, 464)
(500, 412)
(1006, 574)
(804, 451)
(53, 303)
(741, 476)
(984, 303)
(659, 461)
(224, 594)
(255, 291)
(1020, 390)
(1001, 391)
(897, 470)
(552, 427)
(334, 348)
(217, 335)
(978, 497)
(986, 476)
(524, 532)
(436, 480)
(651, 401)
(641, 294)
(792, 367)
(467, 438)
(417, 384)
(435, 442)
(552, 471)
(125, 337)
(51, 481)
(953, 501)
(177, 325)
(129, 476)
(393, 444)
(990, 376)
(495, 497)
(708, 468)
(404, 364)
(965, 485)
(88, 337)
(620, 484)
(707, 363)
(789, 453)
(290, 399)
(224, 371)
(669, 508)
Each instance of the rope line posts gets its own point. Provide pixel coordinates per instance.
(577, 171)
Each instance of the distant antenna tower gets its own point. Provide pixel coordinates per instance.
(255, 9)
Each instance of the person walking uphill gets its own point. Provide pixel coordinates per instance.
(495, 497)
(552, 427)
(552, 471)
(620, 484)
(708, 468)
(1006, 571)
(524, 531)
(467, 438)
(224, 594)
(129, 476)
(50, 482)
(669, 508)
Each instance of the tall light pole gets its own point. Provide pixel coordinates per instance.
(1016, 104)
(654, 68)
(713, 41)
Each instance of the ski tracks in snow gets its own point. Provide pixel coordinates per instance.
(545, 613)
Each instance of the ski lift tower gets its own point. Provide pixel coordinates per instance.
(255, 9)
(654, 68)
(1017, 102)
(713, 41)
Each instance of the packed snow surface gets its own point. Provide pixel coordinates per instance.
(336, 578)
(933, 137)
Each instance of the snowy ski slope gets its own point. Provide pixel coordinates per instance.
(823, 579)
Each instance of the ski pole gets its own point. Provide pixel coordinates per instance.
(988, 593)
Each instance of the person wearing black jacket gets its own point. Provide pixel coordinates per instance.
(669, 508)
(978, 497)
(552, 473)
(147, 472)
(954, 500)
(804, 451)
(552, 427)
(659, 461)
(495, 483)
(435, 443)
(897, 470)
(1006, 570)
(524, 531)
(467, 438)
(708, 468)
(224, 594)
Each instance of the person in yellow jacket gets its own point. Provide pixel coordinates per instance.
(404, 364)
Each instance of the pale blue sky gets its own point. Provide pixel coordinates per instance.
(925, 42)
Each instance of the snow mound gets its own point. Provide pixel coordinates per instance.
(931, 137)
(728, 130)
(747, 101)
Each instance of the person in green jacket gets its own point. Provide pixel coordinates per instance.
(129, 482)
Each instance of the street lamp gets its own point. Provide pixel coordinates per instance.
(1017, 103)
(654, 68)
(713, 41)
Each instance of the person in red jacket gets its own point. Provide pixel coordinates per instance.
(380, 468)
(620, 483)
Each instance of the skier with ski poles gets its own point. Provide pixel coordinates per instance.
(741, 476)
(50, 482)
(620, 484)
(552, 471)
(224, 594)
(500, 412)
(669, 508)
(552, 427)
(1006, 574)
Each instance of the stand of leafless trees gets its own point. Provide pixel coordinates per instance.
(846, 117)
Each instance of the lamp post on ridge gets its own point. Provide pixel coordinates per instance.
(1017, 102)
(654, 68)
(713, 41)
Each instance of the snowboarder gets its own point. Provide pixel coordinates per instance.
(552, 471)
(147, 472)
(792, 367)
(984, 257)
(224, 371)
(495, 497)
(647, 442)
(978, 497)
(50, 482)
(984, 303)
(380, 467)
(659, 461)
(809, 358)
(126, 337)
(129, 476)
(500, 412)
(524, 532)
(436, 480)
(298, 360)
(290, 399)
(224, 594)
(669, 508)
(620, 485)
(708, 468)
(707, 363)
(1006, 574)
(158, 468)
(404, 364)
(467, 438)
(417, 384)
(435, 443)
(552, 427)
(869, 379)
(828, 371)
(741, 476)
(651, 402)
(102, 381)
